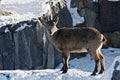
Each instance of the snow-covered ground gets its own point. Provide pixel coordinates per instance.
(80, 69)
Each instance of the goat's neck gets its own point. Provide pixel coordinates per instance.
(51, 36)
(53, 30)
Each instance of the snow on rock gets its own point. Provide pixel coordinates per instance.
(7, 20)
(23, 10)
(23, 27)
(27, 8)
(16, 1)
(75, 16)
(109, 72)
(55, 1)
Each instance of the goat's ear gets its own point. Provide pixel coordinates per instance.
(56, 19)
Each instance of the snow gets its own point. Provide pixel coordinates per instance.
(108, 73)
(108, 0)
(23, 27)
(27, 9)
(114, 0)
(80, 69)
(75, 16)
(23, 10)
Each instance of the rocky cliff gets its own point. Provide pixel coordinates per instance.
(23, 45)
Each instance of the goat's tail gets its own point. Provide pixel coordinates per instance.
(104, 40)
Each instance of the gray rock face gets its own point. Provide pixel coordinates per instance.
(21, 49)
(85, 9)
(25, 45)
(109, 15)
(103, 15)
(116, 72)
(113, 39)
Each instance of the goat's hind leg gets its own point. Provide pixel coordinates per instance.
(101, 63)
(94, 55)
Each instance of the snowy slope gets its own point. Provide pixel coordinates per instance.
(27, 9)
(80, 69)
(23, 10)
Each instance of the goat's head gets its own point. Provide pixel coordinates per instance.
(50, 24)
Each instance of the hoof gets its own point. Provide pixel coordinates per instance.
(93, 74)
(101, 72)
(64, 71)
(61, 69)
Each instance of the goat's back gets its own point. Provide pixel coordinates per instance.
(73, 38)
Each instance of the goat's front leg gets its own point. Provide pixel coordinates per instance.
(65, 57)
